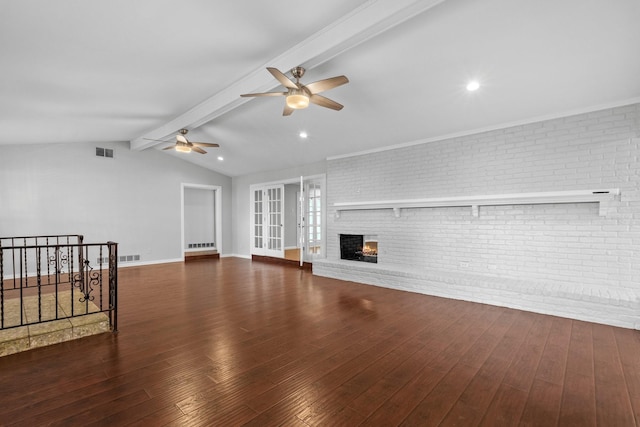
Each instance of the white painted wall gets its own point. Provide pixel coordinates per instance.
(132, 199)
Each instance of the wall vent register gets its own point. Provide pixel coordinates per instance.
(104, 152)
(121, 258)
(201, 245)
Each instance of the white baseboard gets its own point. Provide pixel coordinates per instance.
(141, 263)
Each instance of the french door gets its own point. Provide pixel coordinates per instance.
(267, 221)
(312, 223)
(270, 223)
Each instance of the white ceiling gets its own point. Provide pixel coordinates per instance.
(120, 70)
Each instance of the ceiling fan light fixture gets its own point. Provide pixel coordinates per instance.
(298, 95)
(473, 85)
(183, 148)
(297, 99)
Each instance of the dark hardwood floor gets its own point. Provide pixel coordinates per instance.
(233, 342)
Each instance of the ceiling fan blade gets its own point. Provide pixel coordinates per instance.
(171, 147)
(198, 150)
(287, 110)
(181, 138)
(325, 102)
(284, 80)
(205, 144)
(326, 84)
(264, 94)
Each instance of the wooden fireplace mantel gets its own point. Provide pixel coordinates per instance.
(603, 197)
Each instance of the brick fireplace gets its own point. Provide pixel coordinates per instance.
(573, 259)
(359, 247)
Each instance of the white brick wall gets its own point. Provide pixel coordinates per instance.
(564, 244)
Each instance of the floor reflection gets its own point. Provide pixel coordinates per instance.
(356, 304)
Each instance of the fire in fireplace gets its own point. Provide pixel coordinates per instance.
(359, 247)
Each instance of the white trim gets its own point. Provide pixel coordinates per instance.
(143, 263)
(505, 125)
(301, 227)
(252, 217)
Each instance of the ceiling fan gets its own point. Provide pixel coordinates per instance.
(298, 96)
(183, 145)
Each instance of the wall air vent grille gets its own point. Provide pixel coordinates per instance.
(201, 245)
(127, 258)
(104, 152)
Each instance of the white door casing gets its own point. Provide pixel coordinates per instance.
(267, 213)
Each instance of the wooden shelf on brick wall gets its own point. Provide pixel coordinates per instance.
(603, 197)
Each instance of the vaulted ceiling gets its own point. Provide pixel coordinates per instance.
(103, 71)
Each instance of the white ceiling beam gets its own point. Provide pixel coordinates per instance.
(370, 19)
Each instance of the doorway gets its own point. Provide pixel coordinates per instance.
(201, 219)
(287, 219)
(267, 220)
(314, 219)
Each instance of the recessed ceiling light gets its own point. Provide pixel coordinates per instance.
(220, 158)
(473, 85)
(303, 135)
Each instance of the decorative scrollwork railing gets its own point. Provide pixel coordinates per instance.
(48, 278)
(58, 260)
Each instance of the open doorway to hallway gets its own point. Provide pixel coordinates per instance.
(201, 220)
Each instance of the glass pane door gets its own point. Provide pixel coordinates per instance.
(258, 222)
(274, 224)
(314, 218)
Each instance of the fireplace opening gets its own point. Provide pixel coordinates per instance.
(359, 247)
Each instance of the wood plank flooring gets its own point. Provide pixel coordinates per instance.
(233, 342)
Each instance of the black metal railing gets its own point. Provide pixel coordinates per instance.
(48, 278)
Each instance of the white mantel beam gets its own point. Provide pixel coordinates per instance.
(372, 18)
(601, 196)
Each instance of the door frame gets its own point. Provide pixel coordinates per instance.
(323, 218)
(302, 227)
(217, 197)
(264, 250)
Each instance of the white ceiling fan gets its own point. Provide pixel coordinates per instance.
(298, 96)
(183, 145)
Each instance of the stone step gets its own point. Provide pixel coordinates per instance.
(88, 320)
